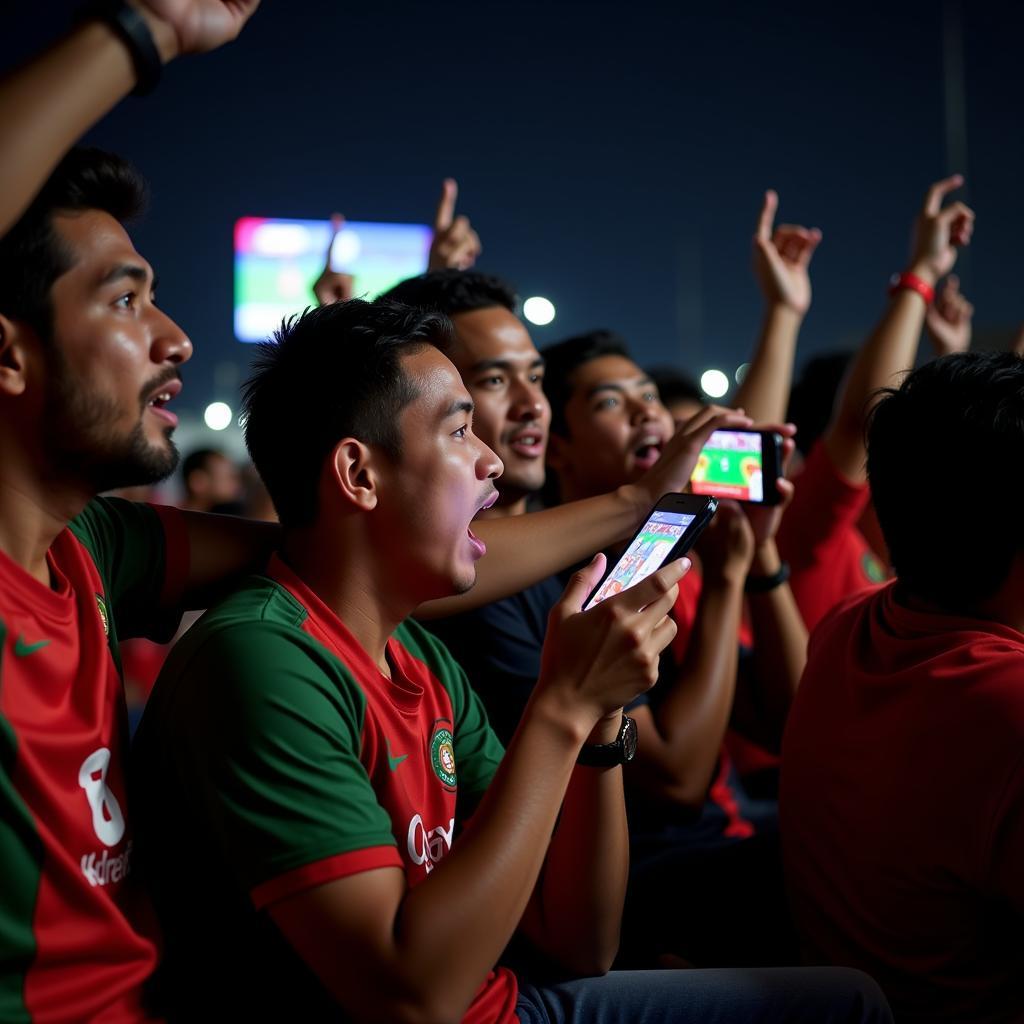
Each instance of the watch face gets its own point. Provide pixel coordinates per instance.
(628, 738)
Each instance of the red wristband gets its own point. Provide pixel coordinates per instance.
(915, 284)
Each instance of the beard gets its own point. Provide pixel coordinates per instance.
(83, 443)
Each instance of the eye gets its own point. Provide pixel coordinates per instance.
(608, 402)
(651, 396)
(126, 301)
(537, 378)
(461, 432)
(492, 382)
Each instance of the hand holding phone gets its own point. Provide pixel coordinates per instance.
(740, 464)
(670, 530)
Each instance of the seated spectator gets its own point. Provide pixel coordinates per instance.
(365, 848)
(902, 796)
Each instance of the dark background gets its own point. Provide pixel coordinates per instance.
(612, 156)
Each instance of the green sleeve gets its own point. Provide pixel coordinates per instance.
(478, 751)
(127, 542)
(282, 735)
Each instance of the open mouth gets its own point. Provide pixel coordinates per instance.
(159, 397)
(647, 453)
(528, 443)
(479, 547)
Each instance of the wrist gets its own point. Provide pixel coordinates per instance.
(766, 560)
(725, 577)
(636, 501)
(570, 722)
(922, 269)
(780, 313)
(164, 35)
(606, 730)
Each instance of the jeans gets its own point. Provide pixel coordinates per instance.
(822, 995)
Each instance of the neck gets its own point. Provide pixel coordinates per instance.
(33, 509)
(348, 580)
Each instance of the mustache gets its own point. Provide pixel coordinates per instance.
(171, 373)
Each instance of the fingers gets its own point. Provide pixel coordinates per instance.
(446, 205)
(939, 191)
(581, 583)
(767, 216)
(656, 594)
(1018, 342)
(786, 491)
(701, 427)
(337, 223)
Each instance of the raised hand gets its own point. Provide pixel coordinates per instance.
(1018, 341)
(456, 245)
(939, 231)
(765, 519)
(201, 25)
(333, 285)
(782, 258)
(597, 661)
(948, 319)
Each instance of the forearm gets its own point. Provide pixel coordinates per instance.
(576, 918)
(764, 393)
(678, 761)
(521, 550)
(780, 643)
(890, 349)
(48, 103)
(451, 929)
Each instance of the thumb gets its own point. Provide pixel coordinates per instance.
(581, 584)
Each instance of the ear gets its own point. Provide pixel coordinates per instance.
(353, 474)
(13, 356)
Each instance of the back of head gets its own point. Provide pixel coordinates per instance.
(454, 291)
(945, 452)
(814, 395)
(563, 358)
(330, 373)
(32, 256)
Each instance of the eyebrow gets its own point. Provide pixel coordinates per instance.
(621, 388)
(502, 364)
(460, 405)
(130, 270)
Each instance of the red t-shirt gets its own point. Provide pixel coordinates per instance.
(828, 556)
(902, 807)
(74, 940)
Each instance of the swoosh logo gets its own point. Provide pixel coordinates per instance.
(394, 762)
(22, 649)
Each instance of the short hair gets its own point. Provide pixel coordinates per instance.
(955, 420)
(813, 396)
(32, 255)
(454, 291)
(563, 358)
(330, 373)
(198, 459)
(674, 386)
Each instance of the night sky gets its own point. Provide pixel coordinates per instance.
(612, 156)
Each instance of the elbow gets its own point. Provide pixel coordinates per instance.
(590, 963)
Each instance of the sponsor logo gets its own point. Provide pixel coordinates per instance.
(427, 847)
(23, 649)
(394, 760)
(442, 756)
(102, 606)
(873, 568)
(105, 868)
(107, 819)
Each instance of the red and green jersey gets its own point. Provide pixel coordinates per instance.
(74, 944)
(275, 756)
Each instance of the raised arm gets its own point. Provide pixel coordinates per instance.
(948, 320)
(892, 346)
(524, 549)
(782, 258)
(388, 953)
(49, 102)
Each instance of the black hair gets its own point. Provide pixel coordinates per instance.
(814, 395)
(563, 358)
(331, 372)
(955, 420)
(674, 386)
(454, 291)
(198, 459)
(32, 255)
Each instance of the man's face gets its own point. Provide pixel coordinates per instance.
(220, 481)
(503, 373)
(445, 475)
(112, 365)
(617, 427)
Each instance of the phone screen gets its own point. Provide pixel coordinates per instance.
(645, 555)
(731, 465)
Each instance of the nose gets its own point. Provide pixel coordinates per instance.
(528, 402)
(488, 465)
(170, 343)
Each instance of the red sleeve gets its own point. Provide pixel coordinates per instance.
(176, 555)
(1007, 848)
(311, 875)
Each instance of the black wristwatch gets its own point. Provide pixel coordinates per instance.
(607, 755)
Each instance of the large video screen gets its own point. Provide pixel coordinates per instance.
(277, 261)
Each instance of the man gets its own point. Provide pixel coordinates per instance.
(361, 848)
(902, 795)
(213, 483)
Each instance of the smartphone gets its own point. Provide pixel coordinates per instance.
(740, 464)
(670, 531)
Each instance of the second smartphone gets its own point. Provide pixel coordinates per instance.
(671, 529)
(740, 464)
